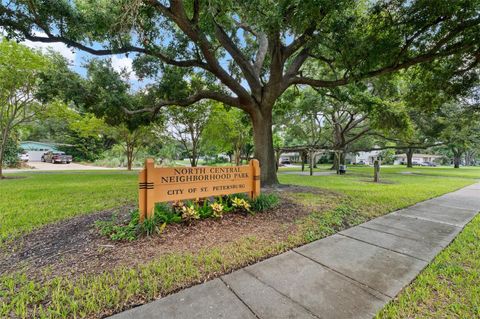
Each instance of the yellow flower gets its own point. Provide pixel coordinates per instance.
(217, 209)
(189, 213)
(240, 203)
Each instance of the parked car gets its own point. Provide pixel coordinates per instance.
(285, 161)
(24, 157)
(415, 163)
(56, 157)
(429, 164)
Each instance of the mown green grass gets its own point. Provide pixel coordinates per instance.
(42, 198)
(449, 287)
(112, 291)
(396, 190)
(445, 171)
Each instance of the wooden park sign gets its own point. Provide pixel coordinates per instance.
(167, 184)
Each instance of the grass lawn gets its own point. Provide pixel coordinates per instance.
(42, 198)
(50, 197)
(449, 287)
(397, 189)
(446, 171)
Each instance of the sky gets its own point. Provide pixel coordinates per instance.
(78, 58)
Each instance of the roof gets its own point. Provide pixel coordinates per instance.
(37, 143)
(33, 145)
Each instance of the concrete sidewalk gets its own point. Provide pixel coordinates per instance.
(351, 274)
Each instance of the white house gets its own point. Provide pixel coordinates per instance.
(292, 157)
(363, 157)
(418, 159)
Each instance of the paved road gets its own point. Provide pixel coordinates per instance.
(351, 274)
(40, 166)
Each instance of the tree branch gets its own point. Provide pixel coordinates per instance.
(299, 42)
(202, 95)
(237, 55)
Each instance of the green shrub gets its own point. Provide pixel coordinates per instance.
(190, 213)
(182, 212)
(217, 210)
(10, 156)
(116, 232)
(264, 202)
(242, 204)
(238, 195)
(166, 214)
(205, 210)
(151, 226)
(225, 202)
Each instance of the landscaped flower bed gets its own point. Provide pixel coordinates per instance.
(186, 212)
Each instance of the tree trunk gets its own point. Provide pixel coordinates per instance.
(193, 159)
(376, 171)
(238, 157)
(409, 157)
(264, 152)
(310, 155)
(129, 153)
(1, 161)
(339, 159)
(129, 162)
(456, 160)
(278, 154)
(335, 162)
(3, 143)
(304, 160)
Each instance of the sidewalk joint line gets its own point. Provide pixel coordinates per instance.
(435, 221)
(346, 276)
(386, 248)
(450, 206)
(446, 206)
(386, 232)
(238, 297)
(429, 220)
(281, 293)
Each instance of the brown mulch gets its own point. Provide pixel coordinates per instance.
(74, 247)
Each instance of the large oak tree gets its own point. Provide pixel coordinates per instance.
(247, 53)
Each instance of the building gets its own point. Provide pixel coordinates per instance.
(296, 157)
(365, 158)
(417, 159)
(292, 157)
(35, 150)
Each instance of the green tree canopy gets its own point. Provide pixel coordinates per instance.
(20, 69)
(247, 53)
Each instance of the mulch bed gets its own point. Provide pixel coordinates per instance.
(74, 247)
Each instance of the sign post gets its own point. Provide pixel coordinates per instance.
(167, 184)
